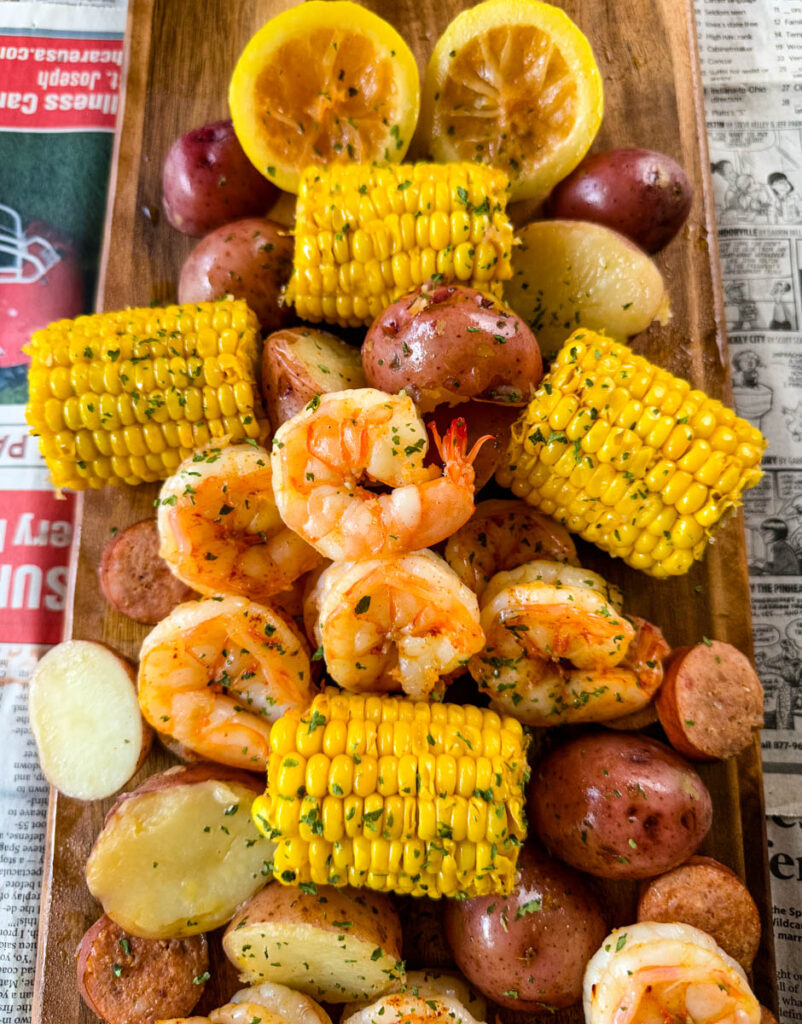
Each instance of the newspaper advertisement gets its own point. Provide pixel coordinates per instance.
(60, 68)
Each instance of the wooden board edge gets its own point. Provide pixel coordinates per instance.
(133, 79)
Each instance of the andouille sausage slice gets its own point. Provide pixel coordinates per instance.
(706, 894)
(710, 702)
(134, 577)
(127, 980)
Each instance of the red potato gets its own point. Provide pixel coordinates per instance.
(619, 805)
(135, 579)
(301, 362)
(336, 944)
(528, 950)
(90, 735)
(179, 854)
(250, 259)
(706, 894)
(711, 701)
(483, 419)
(124, 979)
(641, 193)
(450, 343)
(208, 181)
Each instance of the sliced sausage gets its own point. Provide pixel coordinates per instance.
(135, 579)
(706, 894)
(127, 980)
(710, 702)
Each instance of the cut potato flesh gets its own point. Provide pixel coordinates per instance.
(571, 274)
(334, 966)
(85, 719)
(178, 860)
(336, 945)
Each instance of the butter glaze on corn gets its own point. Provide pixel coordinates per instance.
(395, 795)
(366, 235)
(125, 397)
(629, 456)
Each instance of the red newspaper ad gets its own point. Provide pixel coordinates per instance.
(60, 68)
(59, 92)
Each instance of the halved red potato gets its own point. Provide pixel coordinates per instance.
(337, 945)
(178, 855)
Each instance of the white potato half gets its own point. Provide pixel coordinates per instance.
(85, 719)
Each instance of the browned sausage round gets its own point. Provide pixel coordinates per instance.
(710, 702)
(706, 894)
(135, 579)
(127, 980)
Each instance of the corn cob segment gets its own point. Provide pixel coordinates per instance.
(395, 795)
(630, 457)
(125, 397)
(366, 235)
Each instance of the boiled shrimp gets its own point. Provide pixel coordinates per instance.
(214, 674)
(220, 530)
(558, 648)
(323, 458)
(651, 973)
(405, 1008)
(395, 623)
(502, 535)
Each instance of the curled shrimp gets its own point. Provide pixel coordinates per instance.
(395, 623)
(651, 973)
(502, 535)
(323, 458)
(214, 674)
(558, 649)
(220, 530)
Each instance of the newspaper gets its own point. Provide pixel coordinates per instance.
(60, 69)
(751, 56)
(59, 82)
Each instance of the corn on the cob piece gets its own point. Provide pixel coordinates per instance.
(365, 235)
(125, 397)
(394, 794)
(630, 457)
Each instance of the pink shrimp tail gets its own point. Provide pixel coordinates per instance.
(452, 447)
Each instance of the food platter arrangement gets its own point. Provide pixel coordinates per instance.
(408, 674)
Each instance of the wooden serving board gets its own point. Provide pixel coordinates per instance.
(179, 59)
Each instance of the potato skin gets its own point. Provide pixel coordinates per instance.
(706, 894)
(643, 194)
(207, 181)
(301, 362)
(619, 805)
(250, 259)
(535, 942)
(450, 343)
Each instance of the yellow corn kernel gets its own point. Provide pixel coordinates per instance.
(425, 842)
(660, 463)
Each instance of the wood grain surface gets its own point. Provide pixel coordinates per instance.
(179, 59)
